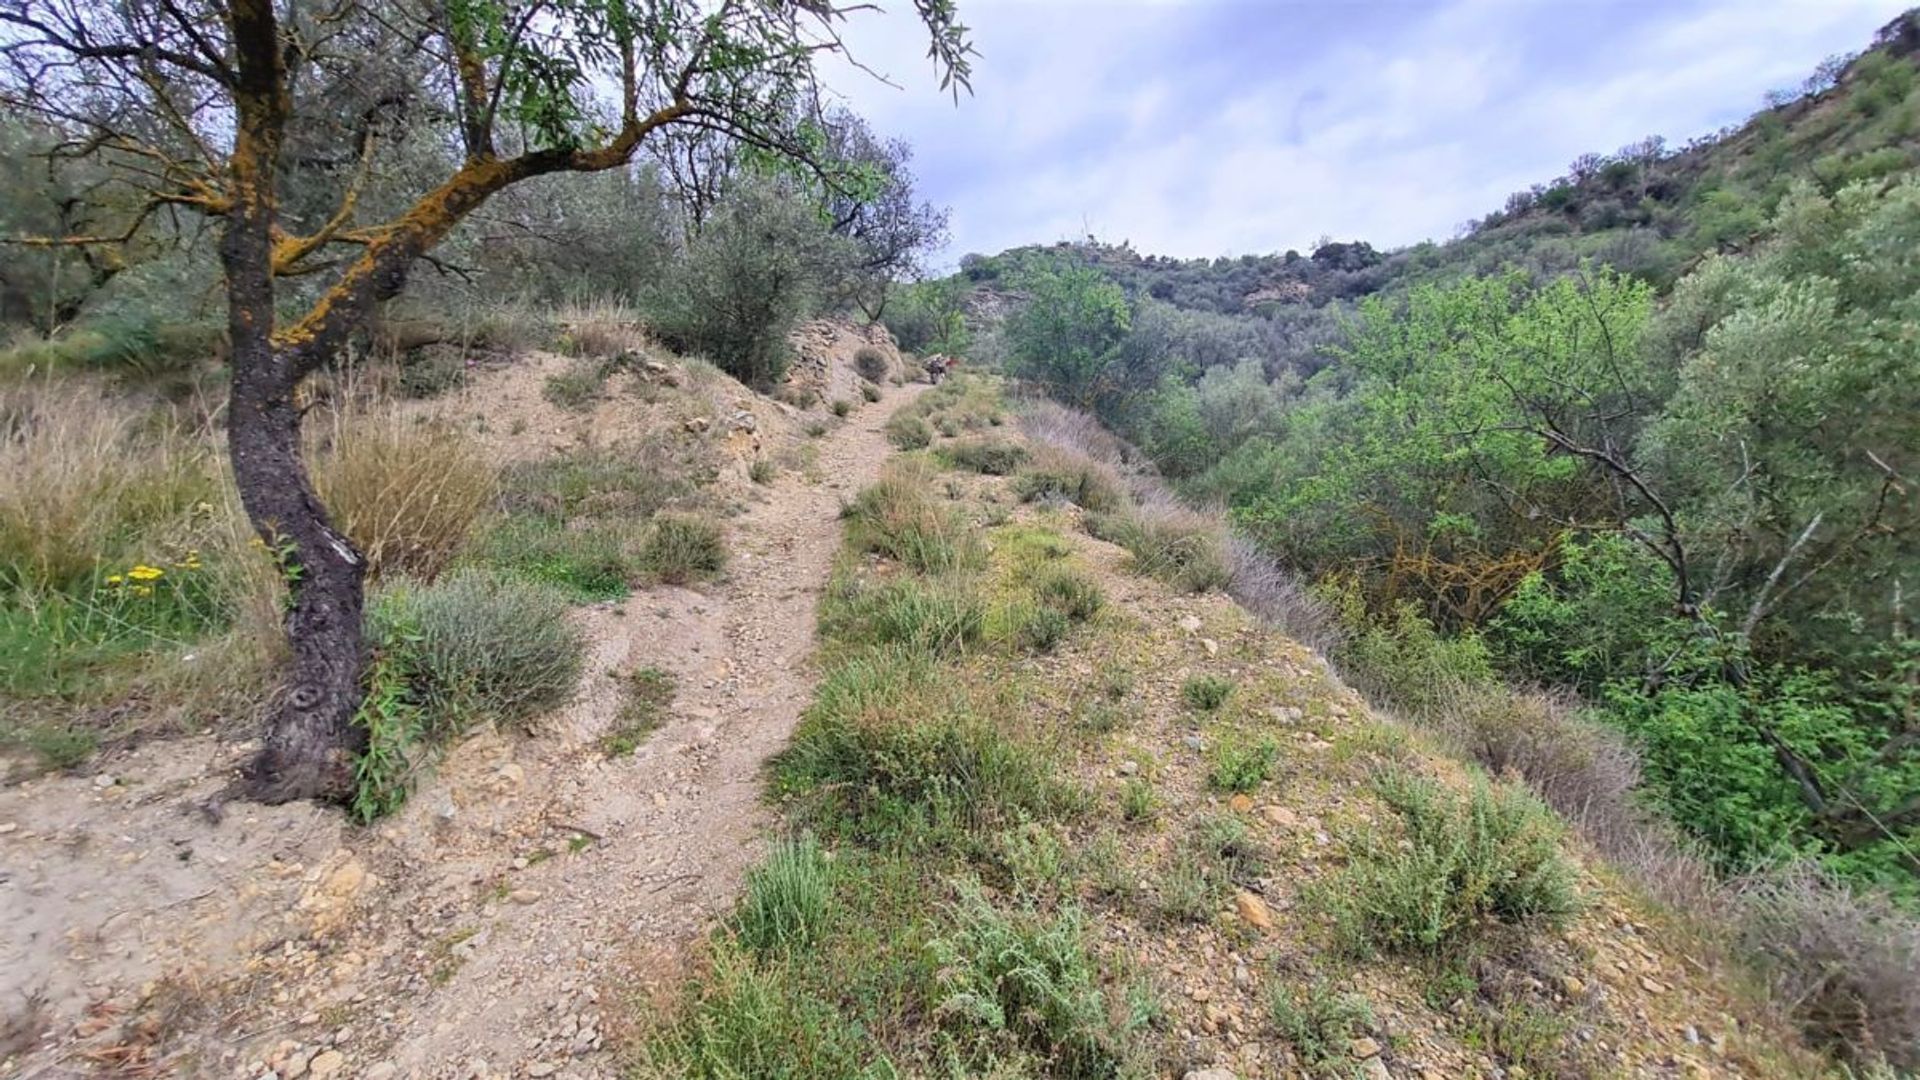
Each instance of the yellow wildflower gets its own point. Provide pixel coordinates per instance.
(143, 572)
(114, 579)
(143, 590)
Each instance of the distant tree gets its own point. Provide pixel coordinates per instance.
(1067, 335)
(871, 201)
(213, 106)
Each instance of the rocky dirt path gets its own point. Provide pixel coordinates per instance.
(501, 925)
(646, 851)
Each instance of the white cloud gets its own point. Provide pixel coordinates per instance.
(1231, 126)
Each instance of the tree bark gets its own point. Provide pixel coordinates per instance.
(311, 741)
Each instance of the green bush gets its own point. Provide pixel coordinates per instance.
(1206, 693)
(1240, 766)
(871, 363)
(993, 457)
(1494, 854)
(683, 548)
(786, 898)
(908, 432)
(480, 646)
(841, 407)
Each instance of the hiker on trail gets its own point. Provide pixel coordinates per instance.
(937, 365)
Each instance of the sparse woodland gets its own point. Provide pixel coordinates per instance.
(1492, 657)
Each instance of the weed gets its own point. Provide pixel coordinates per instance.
(1070, 592)
(1041, 629)
(394, 723)
(1319, 1023)
(786, 898)
(933, 618)
(577, 388)
(595, 562)
(645, 697)
(1026, 976)
(994, 457)
(682, 548)
(1191, 889)
(407, 493)
(61, 747)
(870, 392)
(632, 481)
(895, 518)
(1206, 693)
(1240, 766)
(841, 407)
(1169, 542)
(1137, 801)
(1053, 474)
(816, 429)
(761, 470)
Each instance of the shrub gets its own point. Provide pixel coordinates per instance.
(870, 392)
(908, 432)
(1169, 542)
(1027, 976)
(1070, 592)
(1240, 766)
(871, 363)
(1494, 854)
(841, 407)
(481, 646)
(786, 898)
(762, 470)
(1845, 964)
(1042, 628)
(683, 548)
(816, 430)
(594, 562)
(1206, 692)
(645, 696)
(993, 457)
(1056, 474)
(934, 619)
(1319, 1023)
(407, 493)
(896, 518)
(744, 281)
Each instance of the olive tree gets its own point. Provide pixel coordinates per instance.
(214, 107)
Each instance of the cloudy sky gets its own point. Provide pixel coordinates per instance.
(1210, 127)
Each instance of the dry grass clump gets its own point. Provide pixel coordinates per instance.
(1055, 474)
(83, 475)
(1183, 547)
(407, 493)
(600, 328)
(896, 517)
(1277, 597)
(1052, 424)
(1844, 964)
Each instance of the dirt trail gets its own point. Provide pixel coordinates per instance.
(491, 929)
